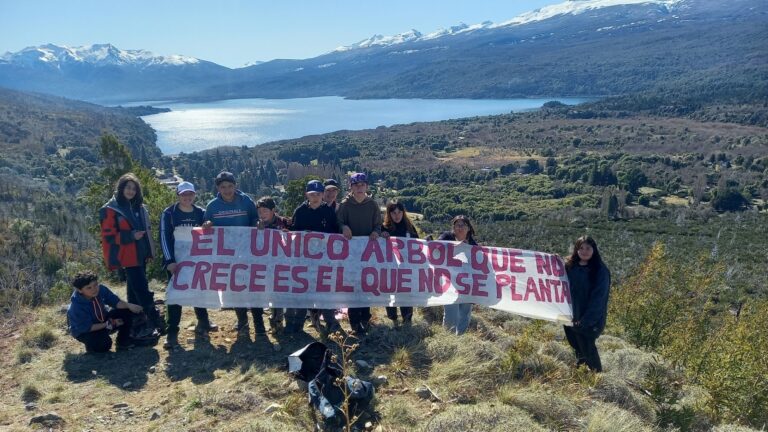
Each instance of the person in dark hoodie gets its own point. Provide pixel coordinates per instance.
(456, 317)
(182, 213)
(91, 323)
(316, 215)
(231, 207)
(359, 215)
(269, 219)
(398, 224)
(330, 192)
(126, 245)
(590, 284)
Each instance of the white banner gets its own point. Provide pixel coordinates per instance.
(247, 267)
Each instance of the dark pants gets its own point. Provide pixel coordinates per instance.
(139, 293)
(405, 311)
(99, 340)
(242, 317)
(174, 317)
(583, 343)
(294, 319)
(359, 318)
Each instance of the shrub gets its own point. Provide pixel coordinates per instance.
(483, 417)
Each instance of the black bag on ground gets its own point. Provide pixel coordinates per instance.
(143, 330)
(314, 362)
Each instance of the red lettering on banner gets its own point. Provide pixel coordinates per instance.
(258, 271)
(393, 251)
(478, 282)
(558, 266)
(499, 265)
(416, 252)
(338, 239)
(233, 286)
(404, 280)
(434, 280)
(216, 274)
(279, 278)
(323, 274)
(369, 280)
(198, 278)
(297, 275)
(515, 261)
(451, 260)
(438, 247)
(542, 265)
(200, 237)
(545, 289)
(551, 264)
(503, 280)
(531, 288)
(280, 241)
(180, 266)
(466, 288)
(481, 263)
(255, 249)
(306, 251)
(372, 248)
(340, 287)
(556, 287)
(220, 248)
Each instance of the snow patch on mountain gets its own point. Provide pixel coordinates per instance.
(97, 54)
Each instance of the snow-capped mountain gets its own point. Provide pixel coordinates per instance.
(579, 47)
(96, 55)
(569, 7)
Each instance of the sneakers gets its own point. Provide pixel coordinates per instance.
(171, 340)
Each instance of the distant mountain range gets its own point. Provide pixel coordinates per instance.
(576, 48)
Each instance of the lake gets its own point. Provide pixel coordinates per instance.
(191, 127)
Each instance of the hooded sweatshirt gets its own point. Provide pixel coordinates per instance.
(362, 218)
(83, 313)
(240, 212)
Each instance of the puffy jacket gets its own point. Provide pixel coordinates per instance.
(117, 242)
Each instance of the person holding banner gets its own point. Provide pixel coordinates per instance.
(126, 245)
(359, 215)
(398, 224)
(456, 317)
(182, 213)
(232, 207)
(590, 284)
(269, 219)
(315, 215)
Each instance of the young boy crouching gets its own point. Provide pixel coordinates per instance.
(91, 322)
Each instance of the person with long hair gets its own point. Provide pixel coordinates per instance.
(456, 317)
(126, 244)
(398, 224)
(590, 284)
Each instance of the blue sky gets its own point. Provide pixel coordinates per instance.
(235, 32)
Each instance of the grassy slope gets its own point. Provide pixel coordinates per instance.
(507, 374)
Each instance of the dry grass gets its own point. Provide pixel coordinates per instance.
(509, 373)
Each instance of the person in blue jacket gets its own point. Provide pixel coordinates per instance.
(456, 317)
(182, 213)
(95, 312)
(590, 282)
(232, 207)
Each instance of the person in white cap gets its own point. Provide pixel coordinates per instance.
(182, 213)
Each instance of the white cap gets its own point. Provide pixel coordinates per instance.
(184, 186)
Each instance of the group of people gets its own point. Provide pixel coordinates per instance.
(127, 245)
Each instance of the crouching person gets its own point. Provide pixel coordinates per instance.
(91, 323)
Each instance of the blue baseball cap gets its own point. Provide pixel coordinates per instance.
(315, 186)
(184, 186)
(358, 178)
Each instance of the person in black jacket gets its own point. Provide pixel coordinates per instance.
(398, 224)
(182, 213)
(590, 284)
(315, 215)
